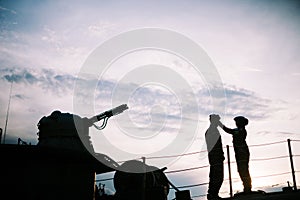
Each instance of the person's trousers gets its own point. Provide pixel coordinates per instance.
(243, 169)
(216, 175)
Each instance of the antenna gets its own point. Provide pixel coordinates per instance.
(6, 121)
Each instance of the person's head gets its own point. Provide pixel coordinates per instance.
(55, 114)
(241, 121)
(214, 119)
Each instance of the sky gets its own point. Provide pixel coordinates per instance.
(48, 47)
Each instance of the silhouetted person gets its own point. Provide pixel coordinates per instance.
(241, 150)
(215, 157)
(97, 195)
(102, 190)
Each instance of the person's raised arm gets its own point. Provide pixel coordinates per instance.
(227, 130)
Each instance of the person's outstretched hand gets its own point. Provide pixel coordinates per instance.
(220, 124)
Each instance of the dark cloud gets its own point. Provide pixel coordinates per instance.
(13, 78)
(19, 96)
(45, 78)
(30, 78)
(18, 77)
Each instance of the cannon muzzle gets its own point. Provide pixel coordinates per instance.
(107, 114)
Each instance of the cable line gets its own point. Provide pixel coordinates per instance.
(187, 169)
(296, 140)
(179, 155)
(190, 186)
(272, 158)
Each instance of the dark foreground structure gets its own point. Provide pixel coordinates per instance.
(33, 173)
(63, 166)
(43, 173)
(292, 195)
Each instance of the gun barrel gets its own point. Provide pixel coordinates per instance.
(109, 113)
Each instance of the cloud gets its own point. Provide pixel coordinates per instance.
(277, 133)
(37, 92)
(100, 28)
(45, 78)
(238, 100)
(19, 96)
(8, 18)
(253, 69)
(242, 101)
(8, 10)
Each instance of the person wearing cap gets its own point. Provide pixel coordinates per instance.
(215, 157)
(241, 150)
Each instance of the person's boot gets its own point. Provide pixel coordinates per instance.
(247, 190)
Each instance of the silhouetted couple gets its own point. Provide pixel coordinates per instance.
(216, 154)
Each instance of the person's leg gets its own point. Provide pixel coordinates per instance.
(216, 175)
(243, 169)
